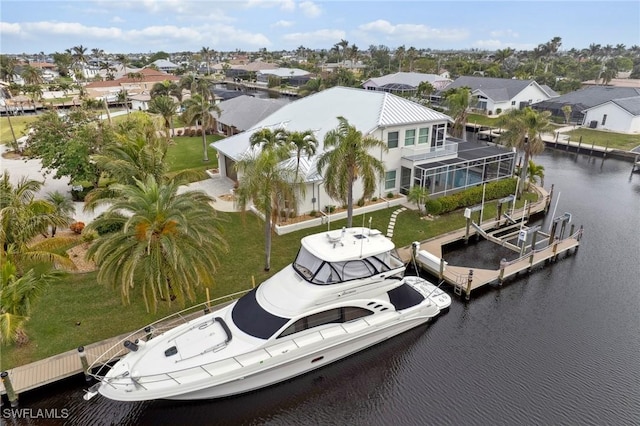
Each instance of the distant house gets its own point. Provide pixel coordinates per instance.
(165, 65)
(420, 151)
(616, 82)
(135, 83)
(249, 70)
(290, 76)
(405, 82)
(497, 95)
(243, 112)
(583, 99)
(354, 67)
(617, 115)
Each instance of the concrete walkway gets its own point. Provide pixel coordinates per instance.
(32, 169)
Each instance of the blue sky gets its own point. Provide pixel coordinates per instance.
(142, 26)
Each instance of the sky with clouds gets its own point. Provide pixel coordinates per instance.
(142, 26)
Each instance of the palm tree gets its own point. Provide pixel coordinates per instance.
(188, 82)
(418, 195)
(166, 107)
(124, 61)
(168, 245)
(18, 293)
(206, 56)
(166, 88)
(535, 171)
(267, 139)
(63, 208)
(523, 131)
(198, 109)
(265, 181)
(303, 143)
(31, 75)
(458, 101)
(312, 86)
(399, 55)
(348, 161)
(123, 98)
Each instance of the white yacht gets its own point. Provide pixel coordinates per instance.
(344, 292)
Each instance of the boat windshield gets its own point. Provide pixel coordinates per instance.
(252, 319)
(317, 271)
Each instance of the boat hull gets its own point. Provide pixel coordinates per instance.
(314, 358)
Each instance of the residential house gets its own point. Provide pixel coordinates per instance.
(290, 76)
(583, 99)
(243, 112)
(165, 65)
(355, 67)
(617, 115)
(616, 82)
(248, 70)
(420, 151)
(497, 95)
(405, 82)
(134, 83)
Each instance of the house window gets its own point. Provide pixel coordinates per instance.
(409, 137)
(392, 139)
(604, 119)
(423, 135)
(437, 137)
(513, 103)
(390, 179)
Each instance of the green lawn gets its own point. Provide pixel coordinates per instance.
(187, 153)
(20, 124)
(601, 138)
(53, 326)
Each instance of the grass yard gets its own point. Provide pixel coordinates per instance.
(186, 153)
(53, 326)
(620, 141)
(20, 125)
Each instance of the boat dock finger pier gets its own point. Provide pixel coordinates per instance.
(531, 247)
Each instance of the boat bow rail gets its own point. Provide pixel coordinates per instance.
(101, 365)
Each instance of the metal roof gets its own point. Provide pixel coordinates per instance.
(367, 110)
(285, 72)
(404, 80)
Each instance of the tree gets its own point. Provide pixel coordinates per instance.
(18, 293)
(31, 75)
(348, 161)
(166, 88)
(124, 61)
(268, 183)
(166, 107)
(7, 68)
(303, 143)
(65, 144)
(168, 245)
(418, 195)
(566, 110)
(523, 131)
(535, 171)
(206, 56)
(457, 102)
(63, 209)
(123, 98)
(198, 110)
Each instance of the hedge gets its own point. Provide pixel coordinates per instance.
(471, 197)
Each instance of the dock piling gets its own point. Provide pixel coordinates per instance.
(11, 394)
(503, 264)
(84, 362)
(469, 281)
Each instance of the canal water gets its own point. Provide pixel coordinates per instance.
(559, 346)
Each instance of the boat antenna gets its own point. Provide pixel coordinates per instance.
(370, 224)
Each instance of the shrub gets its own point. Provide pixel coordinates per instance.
(361, 202)
(329, 208)
(433, 207)
(390, 195)
(473, 196)
(180, 132)
(313, 213)
(79, 194)
(114, 224)
(77, 227)
(374, 199)
(498, 111)
(89, 235)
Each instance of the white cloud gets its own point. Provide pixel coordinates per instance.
(407, 33)
(283, 24)
(7, 28)
(504, 33)
(310, 9)
(72, 28)
(493, 44)
(315, 38)
(288, 5)
(117, 20)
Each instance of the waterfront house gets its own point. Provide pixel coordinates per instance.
(420, 151)
(617, 115)
(243, 112)
(405, 82)
(497, 95)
